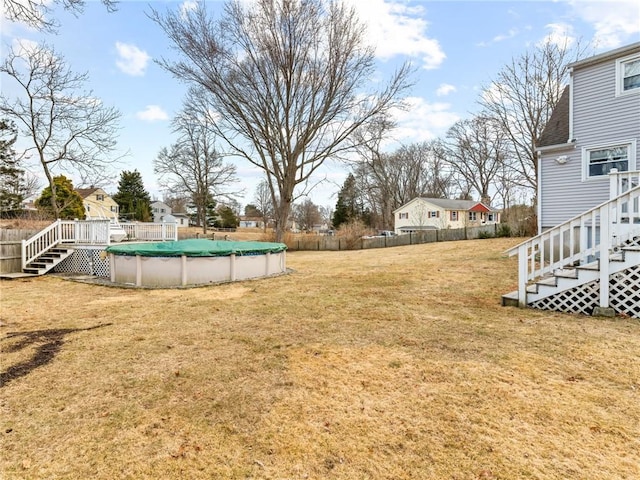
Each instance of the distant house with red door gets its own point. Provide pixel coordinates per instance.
(441, 213)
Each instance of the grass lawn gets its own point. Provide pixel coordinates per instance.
(393, 363)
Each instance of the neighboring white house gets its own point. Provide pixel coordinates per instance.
(594, 128)
(182, 219)
(250, 222)
(441, 213)
(159, 210)
(98, 204)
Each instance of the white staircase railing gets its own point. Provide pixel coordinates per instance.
(64, 231)
(582, 239)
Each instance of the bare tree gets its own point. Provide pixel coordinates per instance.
(477, 152)
(287, 79)
(393, 179)
(37, 13)
(522, 97)
(68, 128)
(263, 201)
(306, 214)
(192, 166)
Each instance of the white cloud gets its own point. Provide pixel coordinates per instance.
(152, 113)
(560, 34)
(615, 22)
(132, 60)
(422, 120)
(500, 38)
(395, 28)
(445, 89)
(187, 6)
(24, 47)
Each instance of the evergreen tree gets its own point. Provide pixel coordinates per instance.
(68, 201)
(12, 181)
(133, 199)
(349, 205)
(228, 218)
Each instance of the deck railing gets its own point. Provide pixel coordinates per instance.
(91, 232)
(64, 231)
(156, 232)
(582, 239)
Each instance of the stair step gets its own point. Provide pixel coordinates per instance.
(566, 273)
(510, 299)
(589, 266)
(548, 281)
(47, 261)
(35, 271)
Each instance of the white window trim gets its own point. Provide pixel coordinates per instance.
(620, 75)
(631, 144)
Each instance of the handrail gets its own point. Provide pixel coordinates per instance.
(583, 238)
(42, 241)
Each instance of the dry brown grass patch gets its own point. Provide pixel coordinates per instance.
(390, 363)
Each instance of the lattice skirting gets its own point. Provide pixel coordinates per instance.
(624, 296)
(85, 260)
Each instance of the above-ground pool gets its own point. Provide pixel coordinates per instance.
(194, 262)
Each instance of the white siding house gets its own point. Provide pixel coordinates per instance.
(441, 213)
(160, 210)
(594, 128)
(586, 256)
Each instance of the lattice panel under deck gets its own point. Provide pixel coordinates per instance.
(624, 292)
(624, 296)
(80, 262)
(581, 299)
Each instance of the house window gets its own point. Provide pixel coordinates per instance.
(435, 214)
(491, 217)
(628, 75)
(454, 216)
(600, 160)
(162, 210)
(114, 208)
(404, 216)
(473, 216)
(100, 198)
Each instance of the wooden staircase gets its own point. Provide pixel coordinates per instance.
(46, 261)
(571, 278)
(589, 264)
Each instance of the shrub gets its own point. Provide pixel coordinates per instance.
(504, 230)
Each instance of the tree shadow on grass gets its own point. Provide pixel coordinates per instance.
(52, 341)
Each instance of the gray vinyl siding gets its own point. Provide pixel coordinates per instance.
(599, 117)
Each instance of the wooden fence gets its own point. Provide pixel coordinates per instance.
(10, 248)
(322, 242)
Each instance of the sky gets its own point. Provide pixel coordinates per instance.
(456, 47)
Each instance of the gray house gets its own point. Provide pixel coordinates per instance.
(594, 128)
(586, 257)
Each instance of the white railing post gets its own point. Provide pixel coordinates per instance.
(23, 253)
(614, 183)
(522, 275)
(605, 242)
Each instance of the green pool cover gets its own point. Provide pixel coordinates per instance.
(196, 248)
